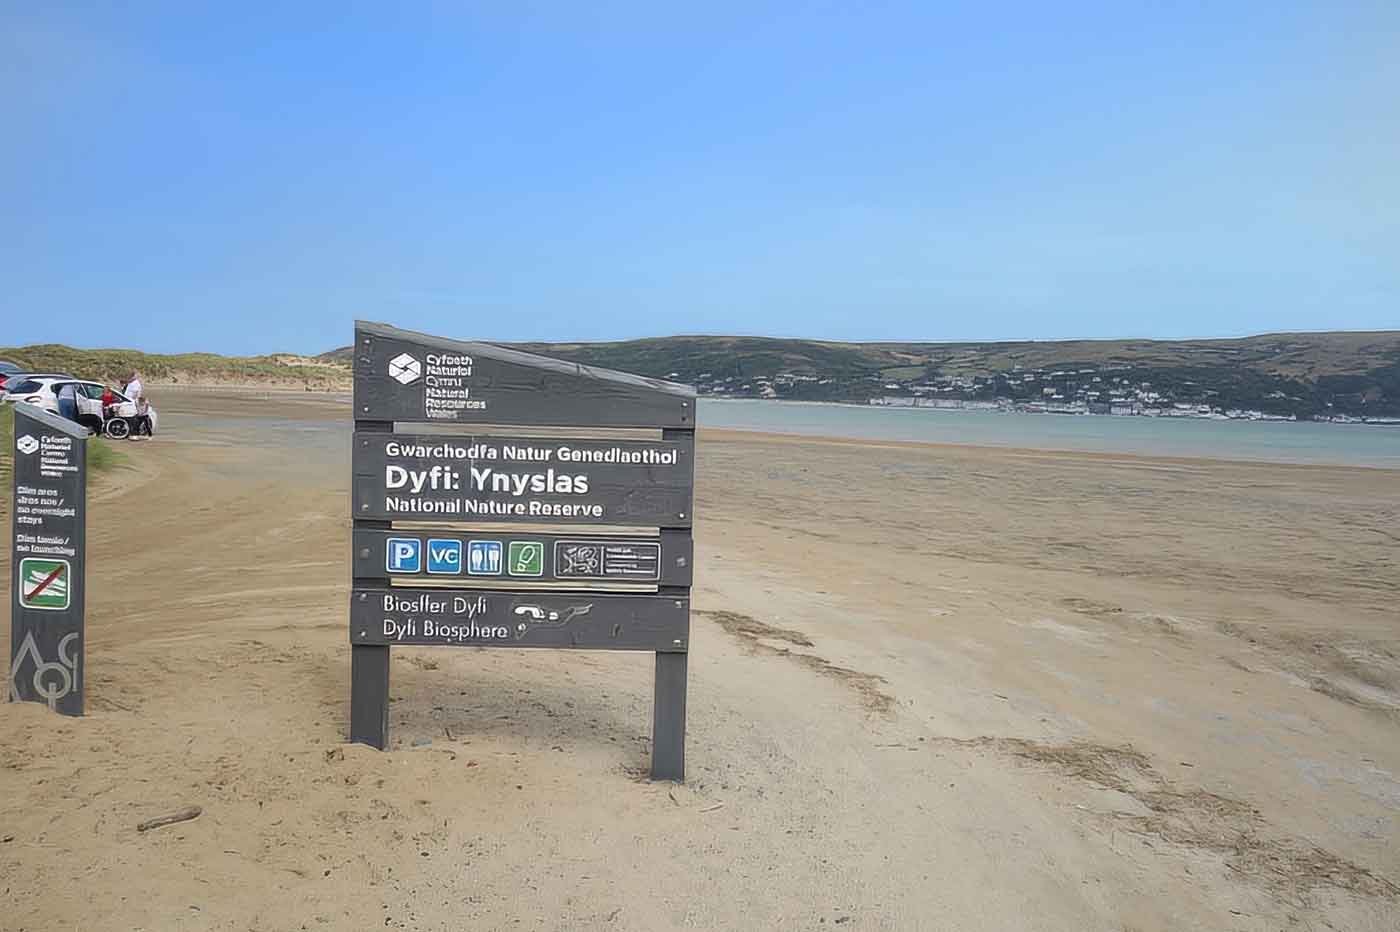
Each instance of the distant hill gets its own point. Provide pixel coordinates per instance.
(112, 365)
(1301, 374)
(1304, 374)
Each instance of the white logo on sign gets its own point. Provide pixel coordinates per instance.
(27, 444)
(405, 369)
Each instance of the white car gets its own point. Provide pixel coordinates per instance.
(33, 388)
(43, 391)
(10, 390)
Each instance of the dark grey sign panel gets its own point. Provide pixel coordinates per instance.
(48, 560)
(413, 377)
(503, 559)
(476, 618)
(530, 480)
(497, 587)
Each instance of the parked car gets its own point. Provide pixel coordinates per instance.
(12, 372)
(92, 413)
(8, 369)
(11, 390)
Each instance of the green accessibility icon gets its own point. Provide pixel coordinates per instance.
(526, 558)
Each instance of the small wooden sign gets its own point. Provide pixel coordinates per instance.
(48, 560)
(463, 538)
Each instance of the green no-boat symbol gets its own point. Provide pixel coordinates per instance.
(44, 584)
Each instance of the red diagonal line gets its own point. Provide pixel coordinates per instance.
(45, 584)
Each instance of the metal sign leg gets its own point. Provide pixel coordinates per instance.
(668, 722)
(369, 695)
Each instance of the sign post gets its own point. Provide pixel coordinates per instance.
(48, 560)
(573, 534)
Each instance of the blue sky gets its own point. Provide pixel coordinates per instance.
(253, 179)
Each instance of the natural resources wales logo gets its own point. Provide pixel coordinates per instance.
(27, 444)
(404, 369)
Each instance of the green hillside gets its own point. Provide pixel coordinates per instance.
(1301, 374)
(1304, 355)
(112, 366)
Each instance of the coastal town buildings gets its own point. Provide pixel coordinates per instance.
(1068, 390)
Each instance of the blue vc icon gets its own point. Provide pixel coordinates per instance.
(445, 556)
(403, 555)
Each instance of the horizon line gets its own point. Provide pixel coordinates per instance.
(746, 336)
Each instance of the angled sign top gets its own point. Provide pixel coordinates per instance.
(49, 420)
(413, 377)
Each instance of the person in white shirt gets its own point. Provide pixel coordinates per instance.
(135, 394)
(132, 388)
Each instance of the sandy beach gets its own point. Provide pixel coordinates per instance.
(931, 687)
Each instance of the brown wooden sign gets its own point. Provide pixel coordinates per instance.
(461, 535)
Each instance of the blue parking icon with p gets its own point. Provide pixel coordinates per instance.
(403, 555)
(445, 557)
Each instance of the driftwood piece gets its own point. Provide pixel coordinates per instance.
(181, 815)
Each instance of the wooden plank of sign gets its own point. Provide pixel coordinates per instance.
(450, 557)
(413, 377)
(457, 478)
(479, 618)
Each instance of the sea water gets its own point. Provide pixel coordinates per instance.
(1267, 441)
